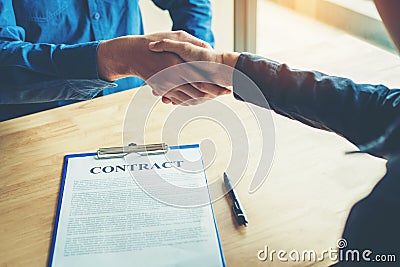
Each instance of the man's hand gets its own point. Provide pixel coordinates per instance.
(220, 77)
(189, 53)
(129, 56)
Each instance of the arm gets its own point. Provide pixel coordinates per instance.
(43, 72)
(359, 112)
(192, 16)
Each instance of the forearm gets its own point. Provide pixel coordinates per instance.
(59, 61)
(32, 73)
(359, 112)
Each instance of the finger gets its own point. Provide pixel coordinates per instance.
(168, 45)
(156, 46)
(196, 96)
(191, 91)
(175, 101)
(154, 92)
(177, 96)
(196, 72)
(186, 51)
(166, 100)
(187, 95)
(186, 37)
(163, 85)
(211, 89)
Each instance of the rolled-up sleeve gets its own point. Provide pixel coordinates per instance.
(42, 72)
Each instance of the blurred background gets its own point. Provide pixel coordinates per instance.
(263, 26)
(157, 20)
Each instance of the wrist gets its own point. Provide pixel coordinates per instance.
(103, 68)
(109, 66)
(230, 58)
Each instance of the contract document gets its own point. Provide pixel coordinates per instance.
(152, 210)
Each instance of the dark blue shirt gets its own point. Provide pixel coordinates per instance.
(48, 48)
(367, 115)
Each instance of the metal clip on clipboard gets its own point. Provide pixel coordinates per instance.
(119, 152)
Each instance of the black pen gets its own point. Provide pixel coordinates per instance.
(237, 208)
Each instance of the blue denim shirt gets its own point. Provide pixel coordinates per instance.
(48, 48)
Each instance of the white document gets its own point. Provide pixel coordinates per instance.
(139, 211)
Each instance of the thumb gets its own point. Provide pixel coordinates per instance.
(156, 46)
(167, 45)
(182, 49)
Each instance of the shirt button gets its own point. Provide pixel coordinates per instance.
(96, 15)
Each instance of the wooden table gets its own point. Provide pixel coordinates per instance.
(302, 205)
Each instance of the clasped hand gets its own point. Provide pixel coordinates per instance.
(148, 55)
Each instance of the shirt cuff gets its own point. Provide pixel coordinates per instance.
(77, 61)
(250, 73)
(56, 90)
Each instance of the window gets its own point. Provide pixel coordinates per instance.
(357, 17)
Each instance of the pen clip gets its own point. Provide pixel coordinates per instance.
(142, 150)
(239, 215)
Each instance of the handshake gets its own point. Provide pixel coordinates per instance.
(206, 75)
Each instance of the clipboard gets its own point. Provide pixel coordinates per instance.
(111, 155)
